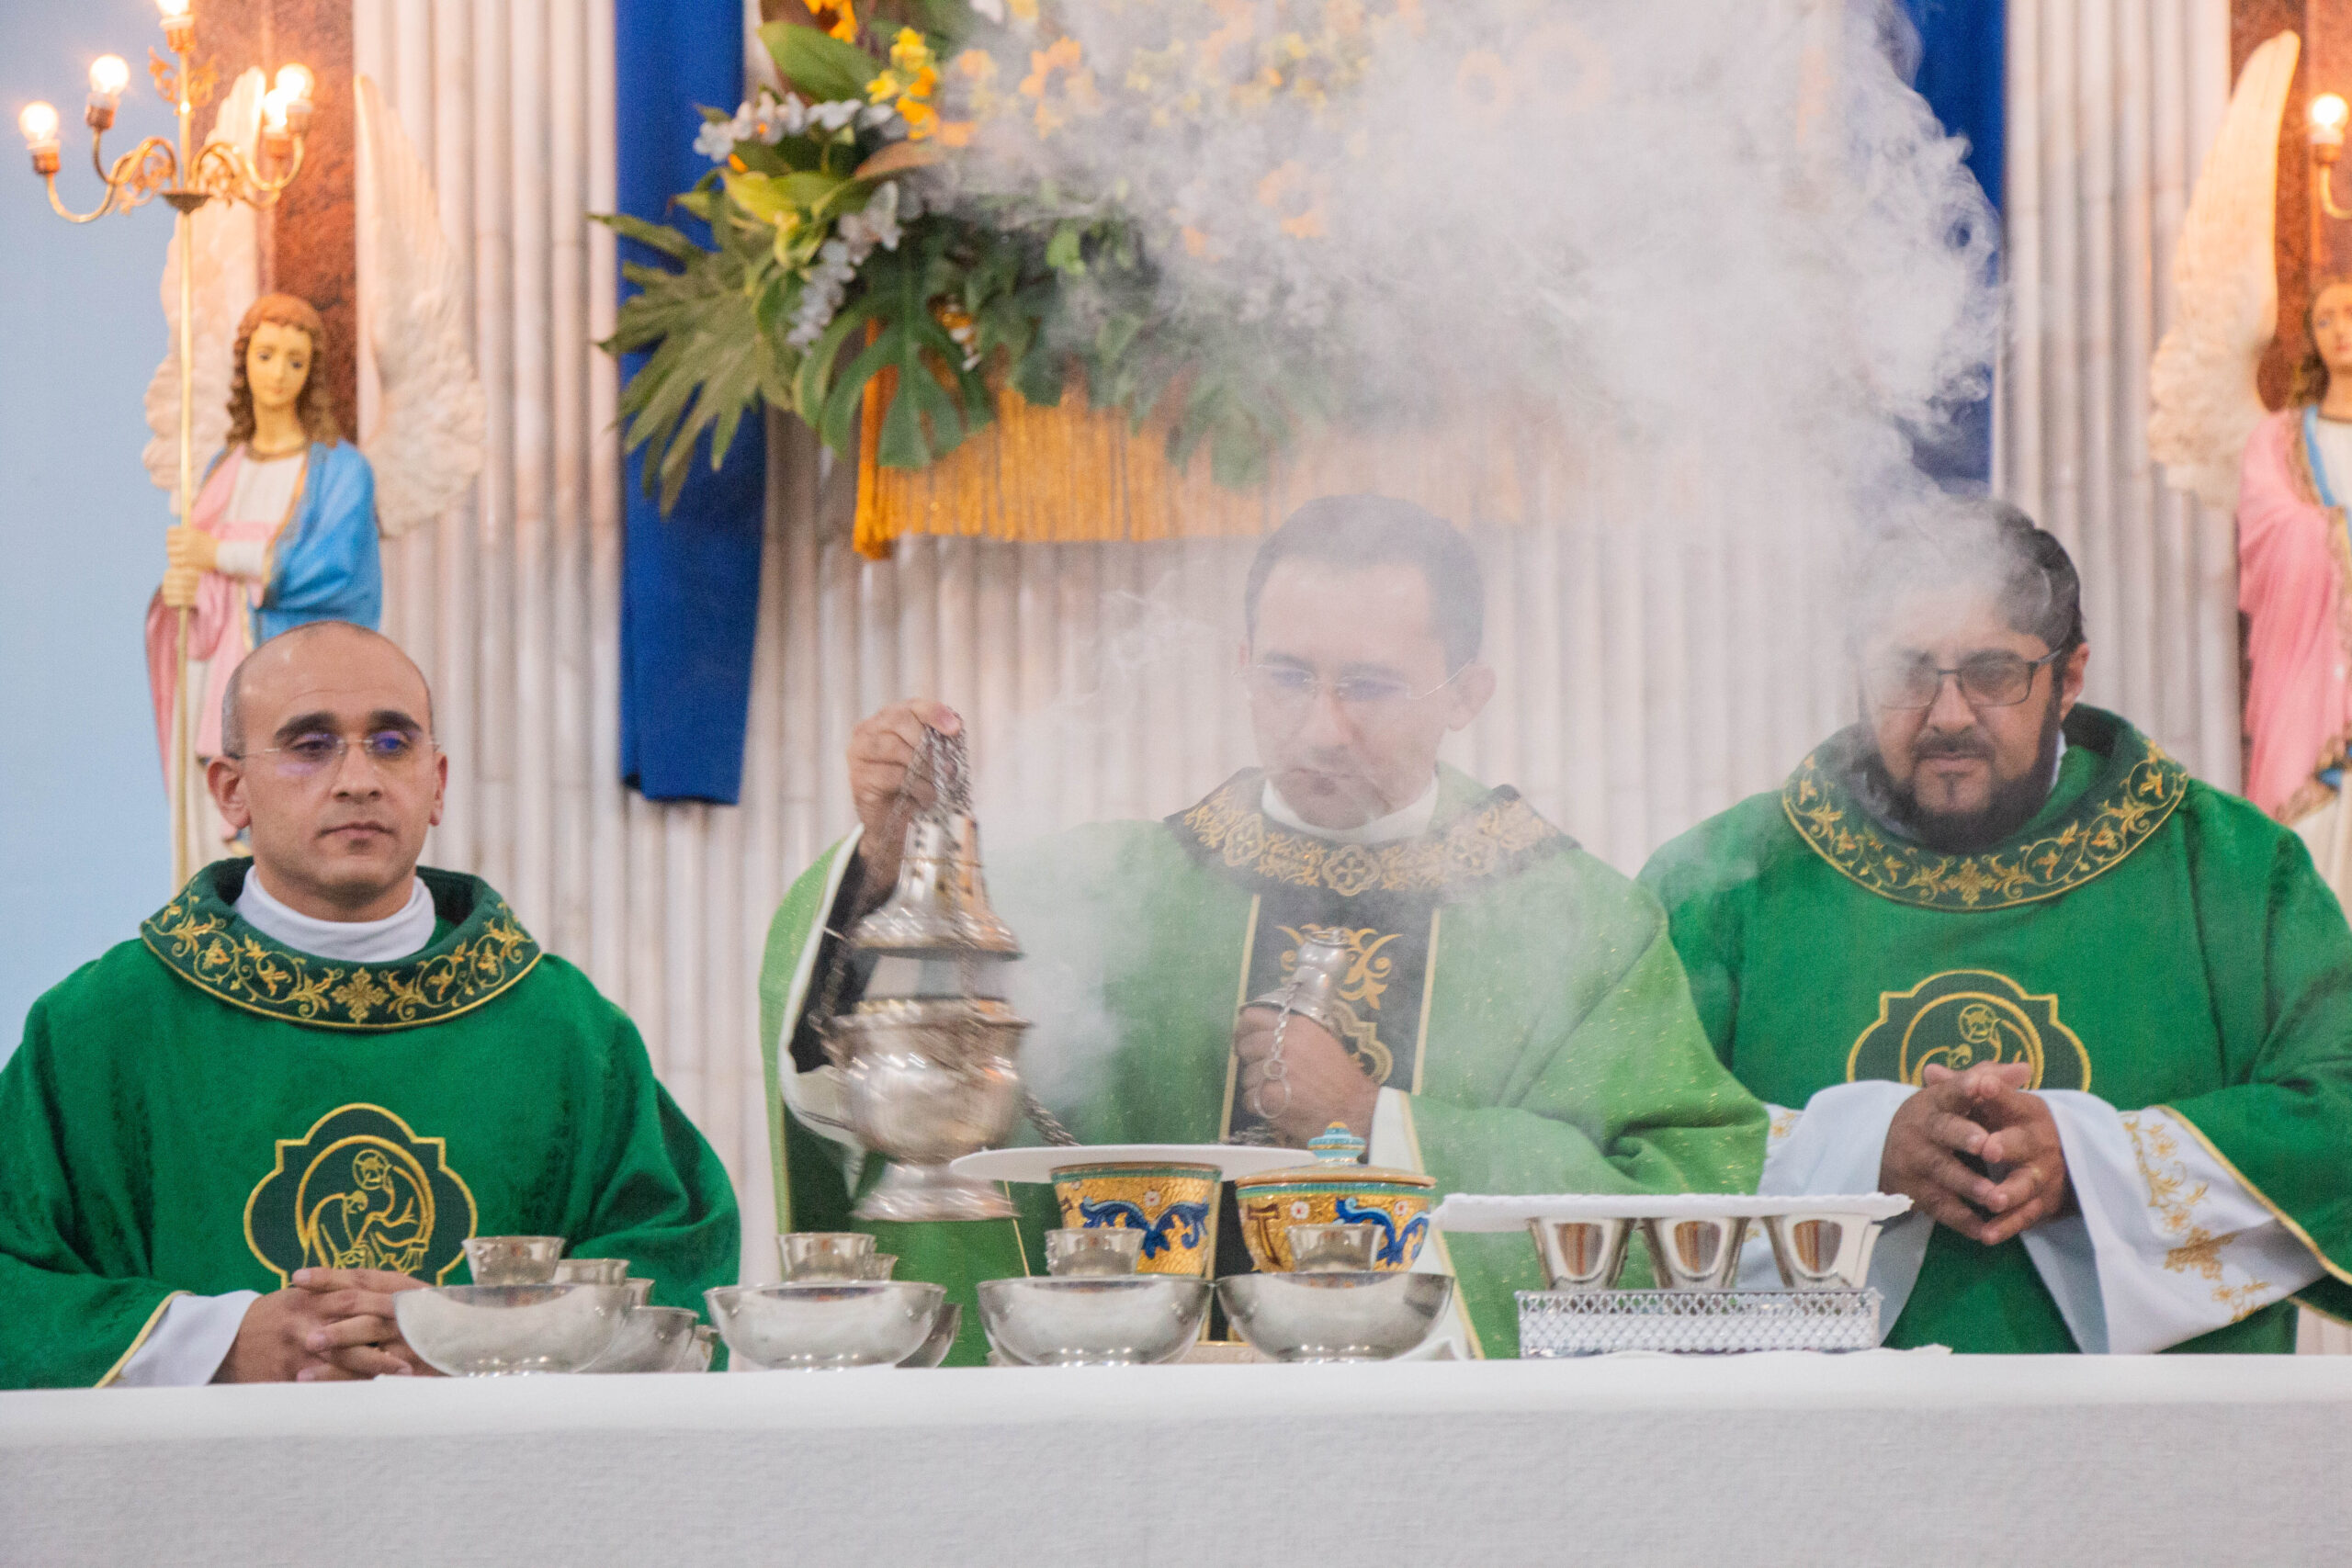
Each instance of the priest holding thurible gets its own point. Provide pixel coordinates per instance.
(1512, 1018)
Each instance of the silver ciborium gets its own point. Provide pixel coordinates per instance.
(926, 1056)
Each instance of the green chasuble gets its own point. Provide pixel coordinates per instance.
(1522, 998)
(206, 1110)
(2146, 939)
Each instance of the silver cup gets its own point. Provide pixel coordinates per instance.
(882, 1265)
(811, 1257)
(514, 1260)
(1333, 1250)
(1581, 1255)
(651, 1340)
(1822, 1249)
(1096, 1252)
(640, 1289)
(591, 1270)
(1696, 1252)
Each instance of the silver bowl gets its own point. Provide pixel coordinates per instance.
(652, 1341)
(822, 1326)
(1140, 1320)
(933, 1349)
(1370, 1316)
(488, 1330)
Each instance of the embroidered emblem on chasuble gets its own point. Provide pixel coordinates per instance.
(360, 1190)
(1379, 901)
(1965, 1018)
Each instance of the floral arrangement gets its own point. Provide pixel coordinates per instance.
(951, 199)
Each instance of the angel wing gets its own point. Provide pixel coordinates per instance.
(424, 436)
(228, 280)
(2225, 291)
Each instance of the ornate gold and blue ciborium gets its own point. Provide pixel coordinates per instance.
(1335, 1191)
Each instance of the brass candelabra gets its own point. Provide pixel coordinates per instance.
(186, 178)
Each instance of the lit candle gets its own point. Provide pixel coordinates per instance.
(294, 83)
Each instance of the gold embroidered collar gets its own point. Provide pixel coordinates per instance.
(200, 938)
(1496, 834)
(2132, 798)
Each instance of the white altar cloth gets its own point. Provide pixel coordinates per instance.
(1879, 1459)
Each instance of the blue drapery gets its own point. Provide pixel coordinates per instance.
(690, 582)
(1961, 71)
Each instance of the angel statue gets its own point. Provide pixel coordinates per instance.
(285, 524)
(2286, 475)
(2209, 429)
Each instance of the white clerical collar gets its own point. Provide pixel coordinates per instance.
(1410, 822)
(351, 942)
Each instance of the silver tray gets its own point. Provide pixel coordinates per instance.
(1695, 1323)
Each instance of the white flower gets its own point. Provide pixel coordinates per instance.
(836, 114)
(775, 119)
(716, 139)
(992, 9)
(873, 115)
(877, 225)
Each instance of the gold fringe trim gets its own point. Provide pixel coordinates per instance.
(1074, 474)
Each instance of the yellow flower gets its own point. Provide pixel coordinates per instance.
(1022, 10)
(975, 65)
(956, 132)
(845, 26)
(1065, 55)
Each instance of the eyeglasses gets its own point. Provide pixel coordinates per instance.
(1986, 680)
(322, 751)
(1286, 692)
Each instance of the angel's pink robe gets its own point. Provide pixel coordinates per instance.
(2294, 570)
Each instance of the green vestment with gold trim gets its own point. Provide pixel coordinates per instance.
(1520, 998)
(2145, 938)
(206, 1110)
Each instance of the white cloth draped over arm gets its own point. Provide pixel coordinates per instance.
(190, 1342)
(1832, 1147)
(2165, 1243)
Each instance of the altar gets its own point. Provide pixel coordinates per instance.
(1880, 1457)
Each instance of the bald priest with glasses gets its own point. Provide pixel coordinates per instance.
(1992, 948)
(226, 1146)
(1512, 1018)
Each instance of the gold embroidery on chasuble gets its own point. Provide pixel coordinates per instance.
(2097, 835)
(199, 938)
(360, 1190)
(1377, 900)
(1966, 1018)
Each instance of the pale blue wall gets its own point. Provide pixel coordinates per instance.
(84, 850)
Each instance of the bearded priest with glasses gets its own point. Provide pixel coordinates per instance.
(1996, 951)
(227, 1146)
(1512, 1018)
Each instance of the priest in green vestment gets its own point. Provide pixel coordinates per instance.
(1995, 950)
(1514, 1017)
(226, 1145)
